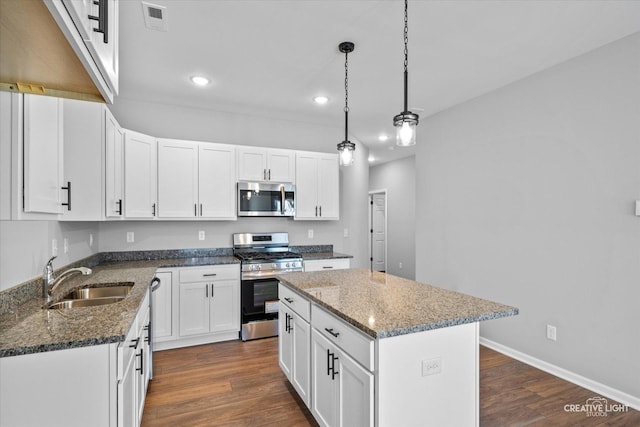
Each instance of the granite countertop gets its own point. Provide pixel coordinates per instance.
(309, 256)
(30, 329)
(382, 305)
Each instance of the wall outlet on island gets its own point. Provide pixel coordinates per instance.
(431, 366)
(551, 332)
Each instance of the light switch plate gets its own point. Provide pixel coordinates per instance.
(637, 207)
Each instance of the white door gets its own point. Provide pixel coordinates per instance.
(285, 341)
(177, 179)
(301, 372)
(328, 187)
(114, 173)
(306, 186)
(378, 232)
(225, 306)
(127, 398)
(106, 51)
(162, 302)
(217, 181)
(252, 164)
(43, 151)
(194, 308)
(140, 175)
(325, 388)
(281, 165)
(79, 10)
(356, 393)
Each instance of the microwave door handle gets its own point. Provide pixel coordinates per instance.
(282, 196)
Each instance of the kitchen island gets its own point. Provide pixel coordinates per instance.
(369, 348)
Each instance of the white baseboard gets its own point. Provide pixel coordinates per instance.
(596, 387)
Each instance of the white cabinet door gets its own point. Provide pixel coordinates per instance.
(104, 47)
(324, 392)
(301, 356)
(162, 307)
(252, 164)
(84, 134)
(317, 186)
(355, 393)
(217, 181)
(177, 179)
(194, 308)
(140, 175)
(225, 306)
(79, 10)
(281, 165)
(285, 341)
(327, 264)
(328, 187)
(127, 408)
(141, 367)
(306, 186)
(114, 167)
(43, 154)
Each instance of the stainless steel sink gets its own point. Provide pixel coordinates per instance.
(73, 303)
(122, 290)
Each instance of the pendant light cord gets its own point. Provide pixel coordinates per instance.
(406, 54)
(346, 94)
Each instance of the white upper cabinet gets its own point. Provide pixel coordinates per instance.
(261, 164)
(84, 134)
(42, 150)
(91, 27)
(196, 180)
(114, 167)
(317, 186)
(140, 175)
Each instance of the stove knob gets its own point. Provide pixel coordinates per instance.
(288, 265)
(258, 267)
(274, 266)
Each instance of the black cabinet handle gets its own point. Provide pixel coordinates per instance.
(148, 337)
(119, 203)
(206, 291)
(102, 18)
(328, 362)
(195, 209)
(327, 267)
(269, 174)
(137, 341)
(331, 364)
(289, 300)
(264, 174)
(68, 188)
(153, 209)
(320, 210)
(209, 275)
(200, 209)
(316, 211)
(330, 330)
(140, 355)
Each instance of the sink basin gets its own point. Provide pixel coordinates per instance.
(101, 292)
(83, 303)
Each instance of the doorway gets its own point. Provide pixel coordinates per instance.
(378, 230)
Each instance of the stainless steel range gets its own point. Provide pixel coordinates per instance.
(263, 256)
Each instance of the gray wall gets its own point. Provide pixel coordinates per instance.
(399, 179)
(526, 196)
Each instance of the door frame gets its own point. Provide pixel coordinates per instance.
(386, 230)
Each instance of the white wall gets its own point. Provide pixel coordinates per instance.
(25, 247)
(168, 121)
(399, 179)
(526, 197)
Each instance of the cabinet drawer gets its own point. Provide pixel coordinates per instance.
(327, 264)
(295, 301)
(358, 345)
(204, 274)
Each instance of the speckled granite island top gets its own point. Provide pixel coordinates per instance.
(31, 329)
(382, 305)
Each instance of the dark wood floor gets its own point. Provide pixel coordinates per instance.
(240, 384)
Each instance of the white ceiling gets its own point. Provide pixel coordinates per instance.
(270, 58)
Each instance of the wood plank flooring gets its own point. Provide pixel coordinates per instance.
(240, 384)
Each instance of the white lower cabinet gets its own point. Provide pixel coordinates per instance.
(294, 350)
(162, 301)
(327, 264)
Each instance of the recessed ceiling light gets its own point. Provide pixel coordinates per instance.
(320, 99)
(200, 81)
(383, 138)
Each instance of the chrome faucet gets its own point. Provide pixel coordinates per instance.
(49, 283)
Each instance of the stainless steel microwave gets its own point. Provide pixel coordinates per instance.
(266, 199)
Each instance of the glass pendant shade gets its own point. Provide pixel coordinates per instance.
(406, 123)
(406, 133)
(346, 149)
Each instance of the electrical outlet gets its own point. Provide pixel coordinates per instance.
(130, 237)
(201, 235)
(346, 232)
(431, 366)
(90, 239)
(310, 233)
(551, 332)
(54, 247)
(400, 265)
(65, 245)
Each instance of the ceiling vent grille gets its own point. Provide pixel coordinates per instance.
(155, 16)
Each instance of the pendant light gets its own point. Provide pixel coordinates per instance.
(346, 147)
(406, 122)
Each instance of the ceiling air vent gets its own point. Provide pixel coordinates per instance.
(155, 16)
